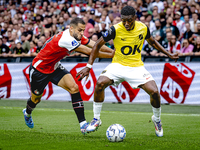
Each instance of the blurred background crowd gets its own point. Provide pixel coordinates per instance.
(25, 25)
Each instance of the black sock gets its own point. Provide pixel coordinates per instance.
(78, 106)
(30, 106)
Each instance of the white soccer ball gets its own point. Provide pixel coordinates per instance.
(116, 133)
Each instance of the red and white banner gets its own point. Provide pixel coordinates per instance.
(178, 83)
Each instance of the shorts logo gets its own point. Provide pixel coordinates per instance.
(103, 71)
(74, 43)
(36, 92)
(105, 34)
(176, 82)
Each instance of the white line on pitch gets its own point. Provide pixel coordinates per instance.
(114, 112)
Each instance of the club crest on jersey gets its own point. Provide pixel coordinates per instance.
(74, 43)
(105, 34)
(140, 36)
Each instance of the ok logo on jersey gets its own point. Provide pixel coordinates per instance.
(86, 88)
(128, 50)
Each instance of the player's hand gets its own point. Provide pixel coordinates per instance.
(84, 72)
(174, 56)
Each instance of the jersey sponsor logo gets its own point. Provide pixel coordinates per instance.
(48, 91)
(74, 43)
(124, 92)
(5, 81)
(176, 82)
(128, 50)
(105, 34)
(86, 87)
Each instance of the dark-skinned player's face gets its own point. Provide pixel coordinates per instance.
(128, 22)
(78, 31)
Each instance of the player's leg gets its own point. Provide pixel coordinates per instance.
(102, 83)
(31, 104)
(38, 82)
(68, 83)
(152, 89)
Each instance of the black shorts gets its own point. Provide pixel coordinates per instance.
(39, 80)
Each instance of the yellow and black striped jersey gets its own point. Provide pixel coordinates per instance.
(128, 44)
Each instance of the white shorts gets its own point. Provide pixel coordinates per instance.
(135, 76)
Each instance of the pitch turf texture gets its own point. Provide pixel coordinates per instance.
(57, 128)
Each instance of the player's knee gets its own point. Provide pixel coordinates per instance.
(74, 89)
(100, 86)
(155, 95)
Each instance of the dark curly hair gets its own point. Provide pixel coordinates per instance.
(128, 10)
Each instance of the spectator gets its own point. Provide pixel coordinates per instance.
(159, 4)
(61, 25)
(66, 19)
(4, 50)
(193, 22)
(89, 24)
(27, 32)
(18, 51)
(188, 33)
(186, 18)
(187, 48)
(115, 12)
(33, 48)
(97, 30)
(148, 18)
(25, 43)
(94, 37)
(179, 24)
(74, 8)
(174, 46)
(173, 28)
(157, 33)
(54, 30)
(39, 46)
(196, 50)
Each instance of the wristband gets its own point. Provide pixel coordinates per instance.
(89, 66)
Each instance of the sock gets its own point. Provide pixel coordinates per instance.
(97, 109)
(30, 106)
(82, 123)
(157, 113)
(78, 106)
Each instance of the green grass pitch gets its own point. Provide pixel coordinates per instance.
(57, 128)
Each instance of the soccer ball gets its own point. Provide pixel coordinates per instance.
(116, 133)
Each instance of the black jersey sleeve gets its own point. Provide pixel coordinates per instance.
(110, 34)
(148, 34)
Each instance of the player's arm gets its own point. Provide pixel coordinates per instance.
(103, 48)
(159, 47)
(90, 43)
(86, 50)
(110, 34)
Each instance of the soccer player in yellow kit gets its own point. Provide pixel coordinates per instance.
(128, 37)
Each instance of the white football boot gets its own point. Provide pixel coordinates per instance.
(158, 127)
(94, 125)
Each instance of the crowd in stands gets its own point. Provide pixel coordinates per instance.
(25, 25)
